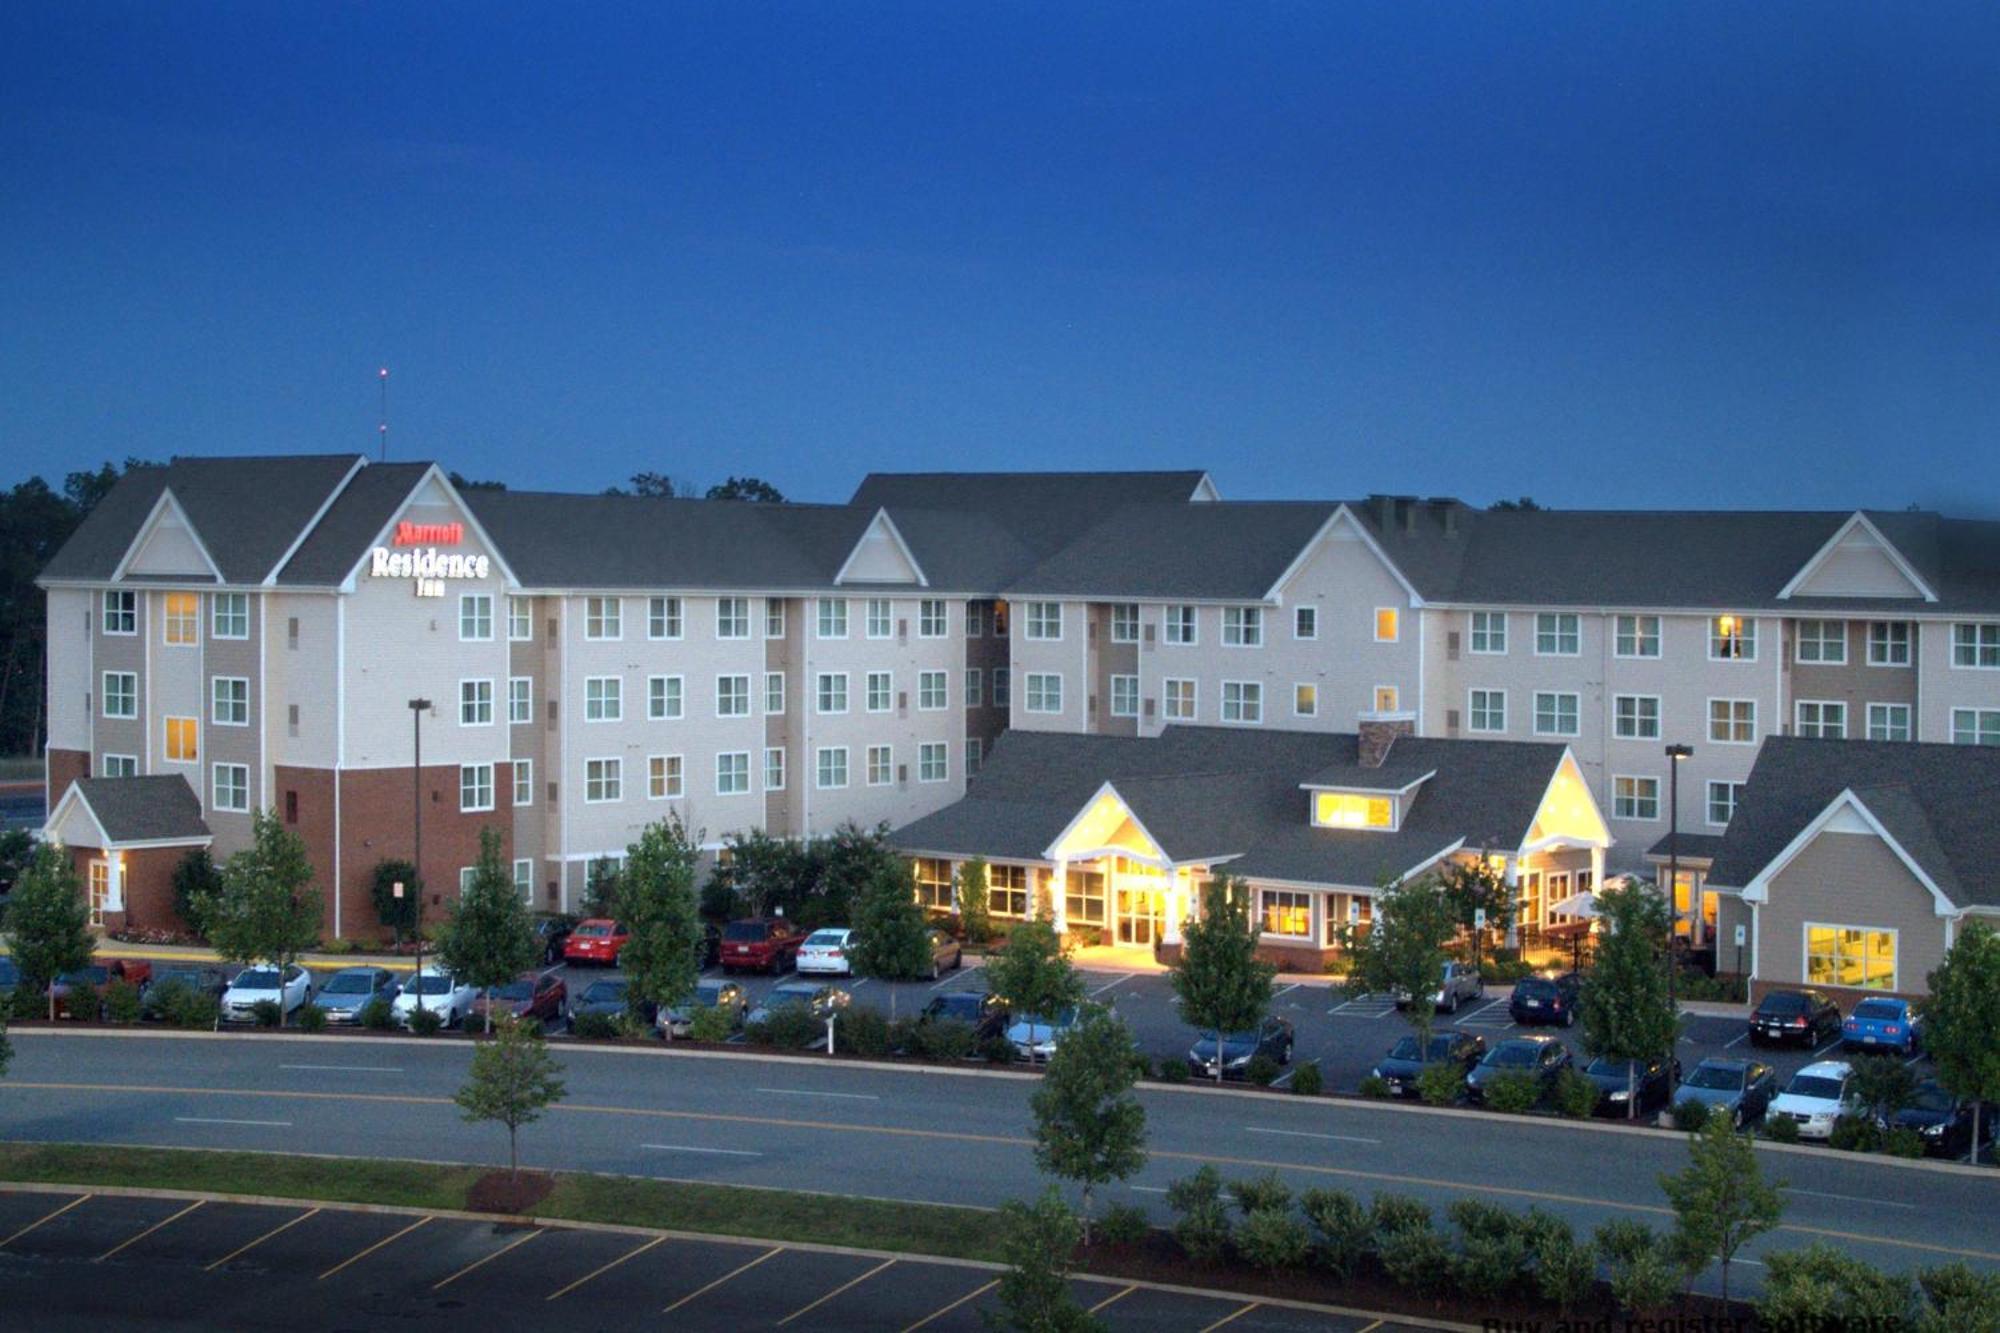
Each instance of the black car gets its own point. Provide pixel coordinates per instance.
(1944, 1120)
(550, 932)
(1544, 1057)
(986, 1014)
(1804, 1016)
(1622, 1082)
(1545, 999)
(209, 981)
(1741, 1088)
(1401, 1067)
(1271, 1038)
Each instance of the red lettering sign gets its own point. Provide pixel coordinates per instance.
(428, 534)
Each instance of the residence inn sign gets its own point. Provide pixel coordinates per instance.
(428, 565)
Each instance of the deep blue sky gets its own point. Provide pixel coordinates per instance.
(1742, 255)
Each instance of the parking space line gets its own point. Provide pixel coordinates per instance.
(357, 1258)
(209, 1120)
(147, 1232)
(948, 978)
(633, 1253)
(350, 1069)
(1147, 1189)
(1115, 981)
(1824, 1049)
(1305, 1134)
(1231, 1317)
(1112, 1299)
(851, 1282)
(243, 1250)
(81, 1198)
(813, 1092)
(1277, 995)
(734, 1272)
(972, 1295)
(1739, 1037)
(1372, 1327)
(510, 1245)
(713, 1152)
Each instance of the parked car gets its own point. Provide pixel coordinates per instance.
(1271, 1038)
(551, 933)
(1622, 1082)
(1036, 1037)
(10, 974)
(985, 1013)
(1542, 1056)
(707, 947)
(1805, 1016)
(348, 991)
(136, 971)
(1743, 1088)
(822, 1000)
(1944, 1120)
(760, 943)
(598, 940)
(826, 951)
(1545, 999)
(712, 993)
(1882, 1023)
(532, 995)
(253, 984)
(439, 992)
(1815, 1098)
(1406, 1061)
(605, 996)
(1459, 983)
(947, 953)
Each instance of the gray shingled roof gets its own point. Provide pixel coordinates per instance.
(1938, 801)
(1233, 549)
(148, 809)
(1687, 846)
(1042, 510)
(342, 538)
(1214, 792)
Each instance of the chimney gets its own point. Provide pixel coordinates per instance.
(1408, 504)
(1377, 733)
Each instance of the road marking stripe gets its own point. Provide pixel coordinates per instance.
(1231, 1317)
(1741, 1036)
(352, 1259)
(350, 1069)
(851, 1282)
(734, 1272)
(238, 1253)
(81, 1198)
(1147, 1189)
(147, 1232)
(946, 980)
(209, 1120)
(810, 1092)
(1849, 1198)
(1306, 1134)
(1280, 994)
(716, 1152)
(972, 1295)
(512, 1244)
(1372, 1327)
(1115, 981)
(599, 1272)
(1112, 1299)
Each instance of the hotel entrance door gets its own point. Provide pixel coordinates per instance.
(1138, 914)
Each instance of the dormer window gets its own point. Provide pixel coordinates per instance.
(1338, 809)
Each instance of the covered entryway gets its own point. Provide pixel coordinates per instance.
(125, 836)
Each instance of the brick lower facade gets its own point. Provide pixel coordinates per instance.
(65, 767)
(148, 887)
(377, 824)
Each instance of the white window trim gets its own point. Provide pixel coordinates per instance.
(464, 681)
(1535, 717)
(1113, 625)
(1635, 779)
(778, 752)
(1313, 637)
(528, 681)
(1951, 646)
(888, 756)
(673, 620)
(1375, 624)
(666, 761)
(1909, 646)
(527, 619)
(888, 693)
(749, 705)
(775, 619)
(1895, 938)
(215, 787)
(819, 694)
(943, 630)
(1559, 617)
(603, 698)
(1194, 698)
(1472, 634)
(1708, 719)
(819, 769)
(821, 606)
(1868, 713)
(1708, 801)
(125, 760)
(524, 782)
(1395, 698)
(215, 602)
(1659, 718)
(720, 790)
(744, 604)
(617, 617)
(945, 692)
(941, 747)
(608, 759)
(524, 875)
(1168, 617)
(104, 695)
(1222, 704)
(775, 705)
(1029, 618)
(1799, 707)
(466, 600)
(667, 695)
(1029, 690)
(1112, 702)
(214, 702)
(1975, 711)
(492, 795)
(1312, 685)
(868, 606)
(104, 612)
(1638, 638)
(1500, 730)
(1742, 622)
(1839, 641)
(1246, 616)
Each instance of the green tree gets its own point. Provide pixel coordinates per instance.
(1403, 951)
(1039, 1243)
(1032, 972)
(17, 850)
(1473, 887)
(842, 865)
(1220, 985)
(1720, 1199)
(1088, 1126)
(662, 958)
(195, 878)
(488, 938)
(1627, 1011)
(6, 1049)
(1882, 1085)
(745, 488)
(603, 889)
(266, 910)
(48, 922)
(1962, 1019)
(399, 914)
(892, 934)
(975, 912)
(513, 1080)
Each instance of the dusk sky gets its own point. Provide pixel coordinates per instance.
(1718, 255)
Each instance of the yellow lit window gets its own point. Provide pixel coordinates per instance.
(1388, 624)
(1305, 700)
(183, 617)
(100, 891)
(1385, 698)
(1851, 956)
(1287, 914)
(1347, 810)
(181, 740)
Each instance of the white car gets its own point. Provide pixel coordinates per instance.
(438, 991)
(1814, 1099)
(826, 952)
(253, 984)
(1036, 1038)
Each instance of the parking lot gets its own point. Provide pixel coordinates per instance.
(183, 1262)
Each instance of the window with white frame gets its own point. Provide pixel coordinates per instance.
(975, 687)
(1889, 643)
(1386, 698)
(1976, 645)
(1242, 701)
(933, 691)
(1820, 641)
(832, 697)
(1001, 680)
(119, 765)
(520, 700)
(879, 766)
(1732, 638)
(1635, 798)
(880, 692)
(1007, 890)
(524, 782)
(475, 703)
(603, 698)
(229, 701)
(182, 737)
(832, 618)
(933, 762)
(1635, 717)
(1822, 720)
(1243, 626)
(231, 787)
(1305, 622)
(774, 617)
(121, 612)
(182, 622)
(121, 694)
(1975, 726)
(933, 619)
(774, 693)
(520, 620)
(665, 697)
(475, 787)
(732, 773)
(1305, 699)
(774, 768)
(1888, 722)
(732, 617)
(524, 878)
(475, 617)
(1124, 696)
(1636, 636)
(666, 777)
(1486, 710)
(1044, 620)
(878, 618)
(603, 618)
(830, 767)
(1044, 692)
(732, 696)
(1177, 700)
(1732, 721)
(1556, 713)
(975, 620)
(1286, 913)
(1489, 633)
(974, 752)
(1178, 625)
(664, 618)
(1388, 624)
(1856, 957)
(1558, 634)
(229, 615)
(1723, 798)
(933, 883)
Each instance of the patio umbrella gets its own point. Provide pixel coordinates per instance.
(1577, 904)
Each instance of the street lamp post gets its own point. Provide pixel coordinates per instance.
(418, 707)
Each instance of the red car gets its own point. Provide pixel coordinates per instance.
(597, 940)
(537, 995)
(763, 943)
(136, 971)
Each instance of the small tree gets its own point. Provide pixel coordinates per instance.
(1962, 1019)
(488, 938)
(892, 935)
(1628, 1013)
(603, 886)
(662, 958)
(399, 914)
(1032, 972)
(1219, 982)
(267, 910)
(1403, 951)
(195, 878)
(1473, 887)
(513, 1080)
(1088, 1126)
(1720, 1199)
(1882, 1085)
(48, 922)
(975, 912)
(1039, 1244)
